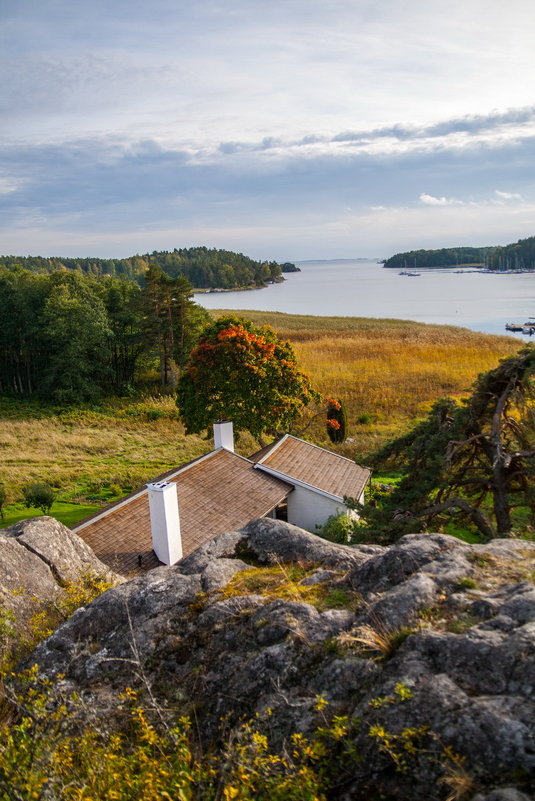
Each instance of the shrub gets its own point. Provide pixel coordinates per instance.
(338, 528)
(336, 420)
(38, 496)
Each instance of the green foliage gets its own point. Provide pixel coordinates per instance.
(48, 751)
(519, 256)
(245, 374)
(70, 337)
(336, 420)
(474, 460)
(172, 321)
(339, 528)
(203, 267)
(3, 499)
(445, 257)
(38, 496)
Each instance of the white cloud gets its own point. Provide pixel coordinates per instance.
(508, 195)
(430, 200)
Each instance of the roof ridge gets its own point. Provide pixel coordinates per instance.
(327, 450)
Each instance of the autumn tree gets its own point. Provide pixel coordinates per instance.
(244, 373)
(474, 460)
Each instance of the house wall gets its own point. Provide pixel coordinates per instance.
(309, 510)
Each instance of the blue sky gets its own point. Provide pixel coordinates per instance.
(285, 129)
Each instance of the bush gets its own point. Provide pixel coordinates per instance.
(38, 496)
(336, 420)
(338, 528)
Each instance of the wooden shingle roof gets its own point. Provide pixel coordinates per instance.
(218, 492)
(314, 466)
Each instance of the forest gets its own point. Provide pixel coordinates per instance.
(70, 337)
(519, 256)
(204, 268)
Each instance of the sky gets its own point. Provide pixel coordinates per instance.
(283, 129)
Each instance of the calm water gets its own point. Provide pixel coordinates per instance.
(480, 301)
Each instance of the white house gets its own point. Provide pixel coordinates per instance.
(221, 491)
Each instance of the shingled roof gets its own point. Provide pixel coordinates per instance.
(218, 492)
(313, 466)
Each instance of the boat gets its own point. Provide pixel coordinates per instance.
(404, 272)
(522, 328)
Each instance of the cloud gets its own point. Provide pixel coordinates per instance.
(430, 200)
(508, 195)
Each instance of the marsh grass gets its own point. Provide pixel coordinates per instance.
(387, 373)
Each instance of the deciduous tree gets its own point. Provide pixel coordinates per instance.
(244, 373)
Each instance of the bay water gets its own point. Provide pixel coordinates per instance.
(364, 288)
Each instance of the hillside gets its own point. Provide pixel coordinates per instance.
(519, 256)
(271, 664)
(205, 268)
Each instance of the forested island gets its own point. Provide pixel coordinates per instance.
(516, 257)
(205, 268)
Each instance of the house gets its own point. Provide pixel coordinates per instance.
(221, 491)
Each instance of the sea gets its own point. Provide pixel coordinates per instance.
(364, 288)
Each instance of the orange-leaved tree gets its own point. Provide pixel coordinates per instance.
(244, 373)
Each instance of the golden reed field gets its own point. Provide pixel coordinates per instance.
(387, 372)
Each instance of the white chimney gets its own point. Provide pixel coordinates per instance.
(224, 435)
(165, 521)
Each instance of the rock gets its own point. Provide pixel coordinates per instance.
(66, 554)
(461, 686)
(37, 558)
(503, 794)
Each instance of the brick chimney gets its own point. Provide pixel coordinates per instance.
(165, 521)
(224, 435)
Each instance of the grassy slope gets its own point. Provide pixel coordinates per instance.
(390, 370)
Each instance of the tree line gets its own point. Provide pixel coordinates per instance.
(445, 257)
(519, 256)
(204, 268)
(70, 337)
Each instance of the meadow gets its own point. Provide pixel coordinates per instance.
(387, 372)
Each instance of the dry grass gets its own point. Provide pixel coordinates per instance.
(387, 372)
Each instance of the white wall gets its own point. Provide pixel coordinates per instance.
(309, 510)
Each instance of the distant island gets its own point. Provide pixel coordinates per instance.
(517, 257)
(205, 268)
(289, 267)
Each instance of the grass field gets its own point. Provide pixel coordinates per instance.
(66, 513)
(387, 372)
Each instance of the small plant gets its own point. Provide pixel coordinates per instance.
(379, 641)
(467, 583)
(461, 624)
(457, 779)
(336, 420)
(38, 496)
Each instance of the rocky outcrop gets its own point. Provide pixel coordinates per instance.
(427, 645)
(37, 558)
